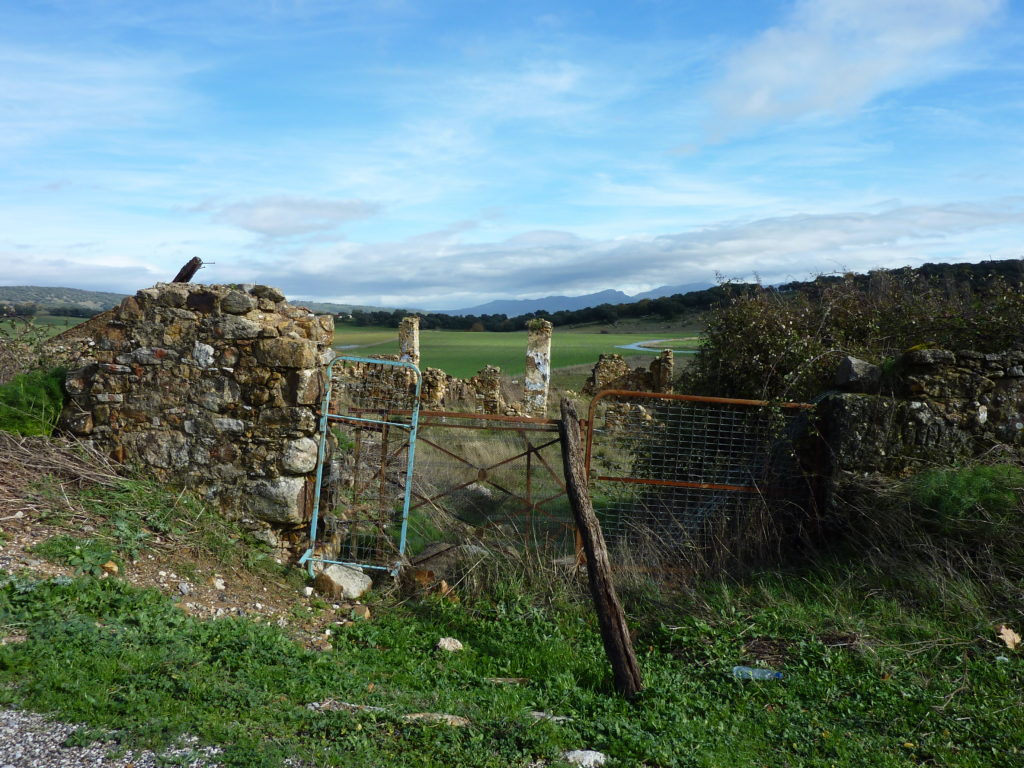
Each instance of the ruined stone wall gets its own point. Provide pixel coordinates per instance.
(213, 387)
(930, 406)
(612, 372)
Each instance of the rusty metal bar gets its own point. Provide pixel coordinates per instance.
(679, 484)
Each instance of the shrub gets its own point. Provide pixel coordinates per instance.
(771, 344)
(30, 403)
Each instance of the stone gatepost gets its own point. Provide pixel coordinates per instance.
(538, 366)
(409, 340)
(662, 369)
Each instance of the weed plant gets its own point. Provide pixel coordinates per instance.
(869, 680)
(21, 347)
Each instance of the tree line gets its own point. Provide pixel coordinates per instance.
(29, 309)
(664, 308)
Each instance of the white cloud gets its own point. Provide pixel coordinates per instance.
(834, 56)
(450, 273)
(286, 215)
(45, 93)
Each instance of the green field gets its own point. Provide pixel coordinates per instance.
(463, 353)
(51, 324)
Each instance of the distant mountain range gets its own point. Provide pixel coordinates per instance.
(332, 308)
(515, 307)
(47, 297)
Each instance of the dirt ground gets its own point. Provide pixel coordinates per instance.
(202, 587)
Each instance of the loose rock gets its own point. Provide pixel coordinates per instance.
(585, 757)
(449, 644)
(337, 581)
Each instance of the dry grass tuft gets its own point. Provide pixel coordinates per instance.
(24, 460)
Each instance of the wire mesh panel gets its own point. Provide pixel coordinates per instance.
(369, 417)
(478, 473)
(678, 474)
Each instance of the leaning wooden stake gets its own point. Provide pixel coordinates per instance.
(187, 272)
(614, 632)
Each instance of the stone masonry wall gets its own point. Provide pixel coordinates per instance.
(213, 387)
(930, 406)
(613, 372)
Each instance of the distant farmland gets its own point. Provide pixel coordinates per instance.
(463, 353)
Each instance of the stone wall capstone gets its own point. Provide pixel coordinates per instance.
(214, 387)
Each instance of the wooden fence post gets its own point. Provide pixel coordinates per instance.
(612, 621)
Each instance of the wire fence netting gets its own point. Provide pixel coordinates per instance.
(481, 475)
(677, 478)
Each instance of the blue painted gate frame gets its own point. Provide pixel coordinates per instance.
(308, 558)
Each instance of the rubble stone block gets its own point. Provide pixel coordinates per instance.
(277, 500)
(237, 303)
(233, 327)
(286, 353)
(300, 456)
(267, 292)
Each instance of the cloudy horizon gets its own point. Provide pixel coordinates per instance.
(440, 155)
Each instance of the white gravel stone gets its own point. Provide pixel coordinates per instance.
(28, 740)
(587, 758)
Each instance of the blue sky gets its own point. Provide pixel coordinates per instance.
(441, 154)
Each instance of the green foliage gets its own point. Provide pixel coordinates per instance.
(775, 344)
(86, 556)
(981, 501)
(345, 442)
(31, 403)
(134, 514)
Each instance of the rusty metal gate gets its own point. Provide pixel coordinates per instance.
(370, 414)
(501, 474)
(669, 474)
(677, 474)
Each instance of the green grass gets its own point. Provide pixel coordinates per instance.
(463, 353)
(868, 682)
(31, 402)
(58, 324)
(891, 659)
(133, 515)
(51, 324)
(959, 495)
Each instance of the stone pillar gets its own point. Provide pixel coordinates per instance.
(409, 340)
(662, 368)
(486, 389)
(538, 366)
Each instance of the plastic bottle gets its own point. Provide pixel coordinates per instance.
(755, 673)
